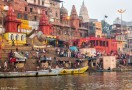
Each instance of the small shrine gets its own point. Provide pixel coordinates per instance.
(44, 25)
(11, 29)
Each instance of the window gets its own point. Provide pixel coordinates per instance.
(107, 43)
(104, 43)
(46, 12)
(97, 43)
(22, 38)
(25, 0)
(31, 9)
(98, 36)
(65, 32)
(25, 8)
(42, 2)
(12, 37)
(35, 18)
(17, 37)
(34, 1)
(19, 15)
(56, 14)
(126, 45)
(25, 17)
(101, 43)
(38, 2)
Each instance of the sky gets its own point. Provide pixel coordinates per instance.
(98, 8)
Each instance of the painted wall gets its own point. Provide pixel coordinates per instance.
(34, 24)
(19, 39)
(109, 61)
(98, 29)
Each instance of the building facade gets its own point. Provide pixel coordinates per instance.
(65, 26)
(120, 33)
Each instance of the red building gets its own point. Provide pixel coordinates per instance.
(44, 25)
(100, 44)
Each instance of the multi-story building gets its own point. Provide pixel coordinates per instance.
(95, 29)
(29, 12)
(120, 32)
(129, 39)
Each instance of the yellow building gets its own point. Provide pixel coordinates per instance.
(24, 27)
(16, 38)
(121, 42)
(98, 29)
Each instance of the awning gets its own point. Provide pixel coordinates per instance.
(50, 39)
(73, 48)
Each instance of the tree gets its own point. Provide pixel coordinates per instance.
(105, 26)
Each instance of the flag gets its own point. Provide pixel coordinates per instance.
(106, 16)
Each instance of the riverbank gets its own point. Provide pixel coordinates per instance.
(120, 68)
(123, 68)
(95, 81)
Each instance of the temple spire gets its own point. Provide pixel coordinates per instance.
(62, 4)
(11, 21)
(83, 2)
(74, 19)
(84, 13)
(74, 13)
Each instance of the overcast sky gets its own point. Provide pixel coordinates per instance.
(98, 8)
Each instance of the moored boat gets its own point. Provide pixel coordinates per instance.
(74, 71)
(17, 74)
(104, 70)
(51, 72)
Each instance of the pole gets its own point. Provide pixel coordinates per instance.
(104, 31)
(70, 35)
(104, 26)
(121, 11)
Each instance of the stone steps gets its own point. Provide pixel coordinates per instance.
(19, 48)
(5, 51)
(32, 63)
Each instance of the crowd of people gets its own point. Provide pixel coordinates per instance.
(12, 60)
(43, 61)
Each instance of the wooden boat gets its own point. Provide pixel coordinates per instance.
(51, 72)
(74, 71)
(104, 70)
(17, 74)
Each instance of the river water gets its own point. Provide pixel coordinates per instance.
(95, 81)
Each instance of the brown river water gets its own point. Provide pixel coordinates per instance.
(95, 81)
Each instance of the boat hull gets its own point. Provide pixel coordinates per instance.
(51, 72)
(104, 70)
(74, 71)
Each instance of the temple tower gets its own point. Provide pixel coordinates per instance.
(11, 28)
(74, 19)
(84, 13)
(44, 25)
(12, 23)
(63, 14)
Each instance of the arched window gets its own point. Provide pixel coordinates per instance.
(22, 38)
(56, 14)
(12, 37)
(17, 37)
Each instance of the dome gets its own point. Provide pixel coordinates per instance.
(63, 11)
